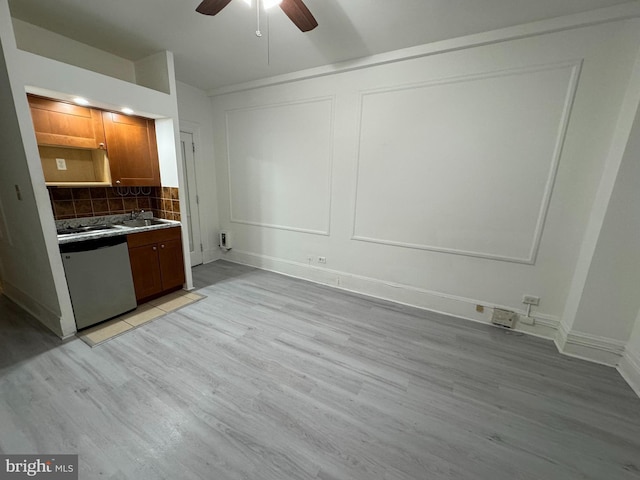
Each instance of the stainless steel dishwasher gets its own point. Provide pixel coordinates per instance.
(99, 278)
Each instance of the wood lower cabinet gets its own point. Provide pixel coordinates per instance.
(145, 268)
(171, 263)
(157, 263)
(66, 125)
(132, 148)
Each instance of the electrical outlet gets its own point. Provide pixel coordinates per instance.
(530, 300)
(61, 164)
(322, 259)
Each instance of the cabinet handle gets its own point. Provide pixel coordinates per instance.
(155, 248)
(118, 182)
(101, 145)
(161, 246)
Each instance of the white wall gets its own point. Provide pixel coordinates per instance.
(42, 42)
(608, 302)
(167, 154)
(151, 72)
(443, 181)
(103, 91)
(194, 108)
(154, 72)
(24, 253)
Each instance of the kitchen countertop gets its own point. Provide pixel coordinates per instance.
(111, 232)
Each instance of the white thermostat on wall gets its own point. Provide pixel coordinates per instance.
(225, 240)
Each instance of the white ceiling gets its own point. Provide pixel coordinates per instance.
(212, 52)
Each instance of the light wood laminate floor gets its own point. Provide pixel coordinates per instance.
(271, 377)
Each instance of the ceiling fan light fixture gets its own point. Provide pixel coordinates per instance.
(267, 4)
(296, 10)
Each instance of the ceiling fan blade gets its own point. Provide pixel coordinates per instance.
(212, 7)
(299, 14)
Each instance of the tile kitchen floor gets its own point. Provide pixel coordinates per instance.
(143, 314)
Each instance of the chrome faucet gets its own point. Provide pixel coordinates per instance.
(135, 215)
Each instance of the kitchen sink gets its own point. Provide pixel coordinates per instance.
(142, 222)
(123, 224)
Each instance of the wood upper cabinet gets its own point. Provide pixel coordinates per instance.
(132, 150)
(130, 142)
(66, 125)
(157, 263)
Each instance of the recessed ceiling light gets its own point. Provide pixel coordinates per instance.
(127, 111)
(81, 101)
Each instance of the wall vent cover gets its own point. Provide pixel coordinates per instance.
(504, 318)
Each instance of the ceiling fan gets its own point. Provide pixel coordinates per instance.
(296, 10)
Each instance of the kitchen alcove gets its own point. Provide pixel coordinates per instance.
(87, 147)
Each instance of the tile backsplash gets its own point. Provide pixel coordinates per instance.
(70, 203)
(167, 204)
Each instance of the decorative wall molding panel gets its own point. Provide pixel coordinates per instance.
(280, 163)
(471, 169)
(500, 219)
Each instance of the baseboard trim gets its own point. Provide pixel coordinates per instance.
(629, 368)
(40, 312)
(456, 306)
(211, 255)
(561, 336)
(592, 348)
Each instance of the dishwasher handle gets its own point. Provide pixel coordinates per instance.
(92, 244)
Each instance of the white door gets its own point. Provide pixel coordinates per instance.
(191, 194)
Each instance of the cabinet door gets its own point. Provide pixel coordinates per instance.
(171, 263)
(66, 125)
(132, 150)
(145, 269)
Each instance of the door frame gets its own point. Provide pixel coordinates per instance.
(193, 129)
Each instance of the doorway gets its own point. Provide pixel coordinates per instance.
(191, 195)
